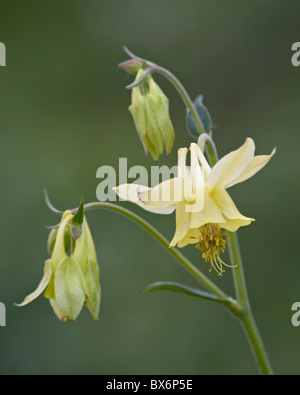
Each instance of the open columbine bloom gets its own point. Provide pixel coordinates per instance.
(198, 194)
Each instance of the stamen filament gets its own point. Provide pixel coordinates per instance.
(211, 244)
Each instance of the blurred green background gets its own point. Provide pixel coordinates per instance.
(64, 113)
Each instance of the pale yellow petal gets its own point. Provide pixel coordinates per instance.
(197, 181)
(182, 223)
(229, 168)
(256, 164)
(210, 213)
(168, 192)
(171, 192)
(132, 193)
(234, 224)
(42, 285)
(191, 237)
(182, 152)
(59, 250)
(203, 161)
(227, 206)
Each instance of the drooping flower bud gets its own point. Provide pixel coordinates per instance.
(204, 117)
(70, 281)
(131, 66)
(150, 111)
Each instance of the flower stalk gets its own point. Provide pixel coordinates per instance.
(183, 94)
(164, 243)
(244, 310)
(246, 315)
(239, 308)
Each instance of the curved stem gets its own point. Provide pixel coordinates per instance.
(210, 148)
(182, 92)
(244, 310)
(206, 142)
(165, 243)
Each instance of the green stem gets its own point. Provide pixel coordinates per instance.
(182, 92)
(206, 142)
(246, 314)
(165, 243)
(210, 149)
(244, 310)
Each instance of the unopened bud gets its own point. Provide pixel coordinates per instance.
(70, 281)
(150, 111)
(131, 66)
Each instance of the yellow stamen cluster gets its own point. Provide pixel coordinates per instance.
(211, 244)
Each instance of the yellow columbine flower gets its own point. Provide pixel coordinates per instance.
(198, 193)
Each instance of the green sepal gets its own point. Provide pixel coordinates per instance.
(91, 285)
(84, 246)
(204, 116)
(141, 78)
(77, 220)
(154, 137)
(49, 291)
(68, 285)
(137, 111)
(58, 312)
(42, 285)
(78, 217)
(162, 116)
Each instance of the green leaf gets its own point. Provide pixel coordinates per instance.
(69, 291)
(203, 115)
(92, 286)
(184, 289)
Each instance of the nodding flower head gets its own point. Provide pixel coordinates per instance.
(204, 209)
(71, 274)
(150, 111)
